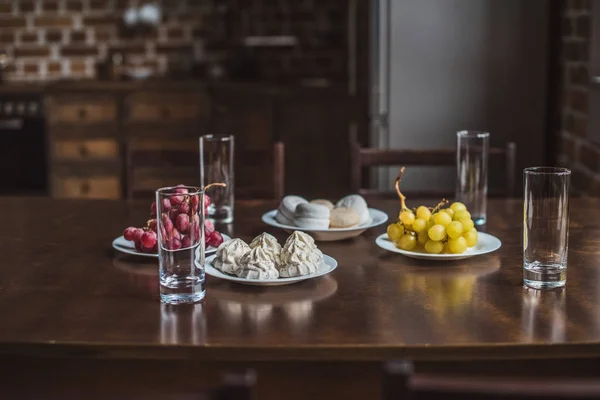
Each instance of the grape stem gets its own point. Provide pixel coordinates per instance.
(400, 195)
(439, 205)
(214, 184)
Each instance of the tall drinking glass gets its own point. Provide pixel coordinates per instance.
(545, 227)
(472, 172)
(180, 222)
(216, 165)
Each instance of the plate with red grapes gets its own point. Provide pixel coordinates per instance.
(143, 241)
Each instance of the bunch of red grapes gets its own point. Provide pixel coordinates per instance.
(180, 225)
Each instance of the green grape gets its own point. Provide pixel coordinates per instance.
(430, 223)
(458, 206)
(434, 247)
(458, 245)
(471, 237)
(419, 225)
(445, 250)
(442, 218)
(437, 232)
(455, 229)
(407, 242)
(423, 213)
(395, 231)
(448, 211)
(422, 238)
(462, 214)
(468, 224)
(407, 217)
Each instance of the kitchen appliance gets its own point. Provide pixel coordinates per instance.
(23, 159)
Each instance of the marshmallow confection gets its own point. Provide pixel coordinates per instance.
(312, 216)
(287, 208)
(358, 204)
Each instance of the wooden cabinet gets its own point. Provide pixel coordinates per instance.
(93, 133)
(126, 139)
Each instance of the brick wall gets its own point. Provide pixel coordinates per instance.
(576, 151)
(51, 39)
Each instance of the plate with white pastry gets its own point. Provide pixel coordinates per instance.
(264, 262)
(324, 220)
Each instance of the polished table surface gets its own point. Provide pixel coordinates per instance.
(65, 292)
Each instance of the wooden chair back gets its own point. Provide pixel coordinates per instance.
(362, 158)
(259, 173)
(400, 383)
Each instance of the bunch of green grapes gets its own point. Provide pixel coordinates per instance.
(448, 230)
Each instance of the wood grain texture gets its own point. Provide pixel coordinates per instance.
(65, 293)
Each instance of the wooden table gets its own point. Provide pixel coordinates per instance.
(72, 308)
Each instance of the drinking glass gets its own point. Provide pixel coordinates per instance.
(545, 227)
(216, 165)
(472, 172)
(180, 223)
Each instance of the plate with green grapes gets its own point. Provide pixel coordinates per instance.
(486, 243)
(444, 232)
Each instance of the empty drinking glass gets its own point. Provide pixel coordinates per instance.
(472, 172)
(545, 227)
(216, 165)
(180, 222)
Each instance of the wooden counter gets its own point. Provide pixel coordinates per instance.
(64, 294)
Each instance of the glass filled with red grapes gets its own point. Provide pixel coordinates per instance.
(179, 239)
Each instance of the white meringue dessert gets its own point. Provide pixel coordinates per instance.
(270, 244)
(256, 264)
(299, 256)
(229, 255)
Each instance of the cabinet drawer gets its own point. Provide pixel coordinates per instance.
(81, 110)
(93, 149)
(164, 108)
(102, 187)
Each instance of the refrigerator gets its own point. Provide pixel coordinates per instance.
(441, 66)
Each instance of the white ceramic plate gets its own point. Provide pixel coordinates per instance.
(328, 265)
(377, 218)
(486, 243)
(128, 247)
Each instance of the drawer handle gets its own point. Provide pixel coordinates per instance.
(85, 188)
(82, 113)
(83, 151)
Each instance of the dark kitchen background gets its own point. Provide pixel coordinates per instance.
(107, 98)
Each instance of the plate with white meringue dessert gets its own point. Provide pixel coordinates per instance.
(264, 262)
(325, 221)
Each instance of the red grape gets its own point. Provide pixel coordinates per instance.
(181, 190)
(182, 223)
(173, 213)
(166, 205)
(167, 223)
(175, 234)
(163, 234)
(175, 244)
(152, 225)
(176, 200)
(194, 200)
(148, 239)
(184, 208)
(186, 242)
(137, 234)
(139, 247)
(215, 239)
(129, 233)
(209, 227)
(206, 201)
(153, 209)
